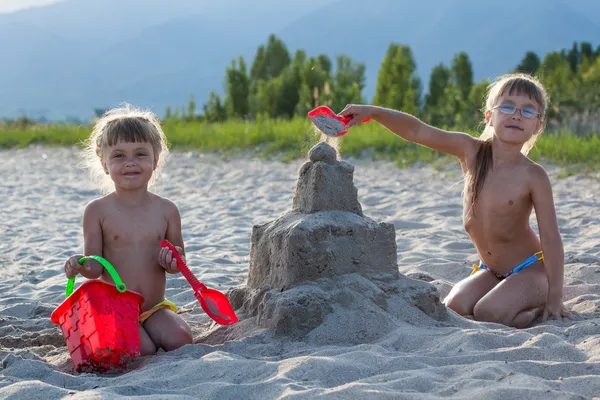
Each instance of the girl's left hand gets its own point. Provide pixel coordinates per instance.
(555, 309)
(166, 259)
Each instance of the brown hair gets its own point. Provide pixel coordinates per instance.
(124, 124)
(518, 84)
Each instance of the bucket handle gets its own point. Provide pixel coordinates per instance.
(111, 270)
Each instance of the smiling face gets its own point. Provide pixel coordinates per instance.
(515, 111)
(516, 128)
(129, 164)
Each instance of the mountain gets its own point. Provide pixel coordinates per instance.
(68, 58)
(495, 37)
(590, 9)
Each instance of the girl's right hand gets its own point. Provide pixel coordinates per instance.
(358, 112)
(72, 267)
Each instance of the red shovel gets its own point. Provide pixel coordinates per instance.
(330, 123)
(213, 302)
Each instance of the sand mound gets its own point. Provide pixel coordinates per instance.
(325, 273)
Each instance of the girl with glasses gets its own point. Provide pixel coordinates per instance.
(520, 276)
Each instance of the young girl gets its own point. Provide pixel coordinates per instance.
(520, 277)
(125, 151)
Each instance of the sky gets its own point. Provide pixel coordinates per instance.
(14, 5)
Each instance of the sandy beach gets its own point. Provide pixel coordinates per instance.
(43, 195)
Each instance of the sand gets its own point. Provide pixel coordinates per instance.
(43, 195)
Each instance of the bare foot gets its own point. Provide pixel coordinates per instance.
(526, 318)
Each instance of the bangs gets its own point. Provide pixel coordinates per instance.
(129, 130)
(520, 86)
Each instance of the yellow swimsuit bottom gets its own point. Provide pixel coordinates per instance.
(163, 304)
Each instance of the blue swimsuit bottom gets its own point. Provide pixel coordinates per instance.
(531, 260)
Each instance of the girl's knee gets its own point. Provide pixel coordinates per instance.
(487, 313)
(178, 336)
(147, 346)
(459, 304)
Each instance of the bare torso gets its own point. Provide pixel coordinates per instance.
(131, 239)
(499, 226)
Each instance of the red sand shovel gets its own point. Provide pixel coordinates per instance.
(213, 302)
(330, 123)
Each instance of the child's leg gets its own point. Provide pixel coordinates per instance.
(147, 346)
(517, 300)
(466, 293)
(526, 317)
(168, 330)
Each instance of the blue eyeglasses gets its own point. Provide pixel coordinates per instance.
(526, 112)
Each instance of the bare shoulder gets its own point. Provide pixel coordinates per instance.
(97, 206)
(537, 177)
(167, 205)
(535, 171)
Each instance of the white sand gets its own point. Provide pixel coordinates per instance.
(43, 195)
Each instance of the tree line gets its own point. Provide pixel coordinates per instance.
(278, 84)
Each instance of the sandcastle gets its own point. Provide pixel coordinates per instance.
(324, 267)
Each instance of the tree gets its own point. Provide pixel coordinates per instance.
(168, 113)
(191, 107)
(462, 74)
(325, 63)
(257, 71)
(440, 78)
(287, 87)
(263, 99)
(270, 61)
(587, 51)
(398, 85)
(530, 64)
(438, 82)
(591, 79)
(348, 83)
(315, 86)
(557, 75)
(214, 109)
(237, 90)
(573, 57)
(474, 108)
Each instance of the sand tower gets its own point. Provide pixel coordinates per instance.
(324, 267)
(325, 234)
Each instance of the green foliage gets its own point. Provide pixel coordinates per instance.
(214, 109)
(348, 83)
(398, 85)
(434, 100)
(191, 107)
(453, 99)
(264, 109)
(571, 79)
(238, 90)
(462, 74)
(279, 86)
(270, 60)
(530, 63)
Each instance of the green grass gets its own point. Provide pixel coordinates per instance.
(53, 135)
(288, 140)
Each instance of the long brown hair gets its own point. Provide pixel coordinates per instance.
(518, 84)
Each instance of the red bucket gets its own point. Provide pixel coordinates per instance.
(99, 322)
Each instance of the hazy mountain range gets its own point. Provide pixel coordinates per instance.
(68, 58)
